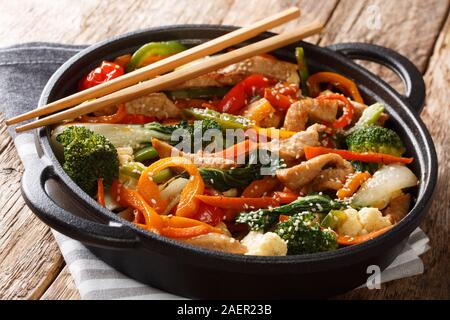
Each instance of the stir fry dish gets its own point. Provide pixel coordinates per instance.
(257, 158)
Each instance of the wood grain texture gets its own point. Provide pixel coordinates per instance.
(30, 261)
(407, 26)
(62, 288)
(434, 283)
(29, 256)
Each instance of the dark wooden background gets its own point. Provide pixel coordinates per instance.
(31, 266)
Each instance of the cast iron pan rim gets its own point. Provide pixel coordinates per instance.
(352, 252)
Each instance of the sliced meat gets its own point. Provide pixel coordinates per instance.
(330, 179)
(232, 74)
(153, 105)
(398, 208)
(292, 149)
(299, 176)
(310, 109)
(201, 159)
(218, 242)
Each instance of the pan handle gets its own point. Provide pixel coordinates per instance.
(76, 227)
(404, 68)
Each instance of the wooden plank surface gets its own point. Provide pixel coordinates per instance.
(62, 288)
(29, 256)
(30, 263)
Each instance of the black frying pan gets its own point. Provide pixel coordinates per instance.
(199, 273)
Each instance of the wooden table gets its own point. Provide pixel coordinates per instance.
(31, 266)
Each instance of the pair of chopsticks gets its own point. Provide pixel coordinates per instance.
(129, 86)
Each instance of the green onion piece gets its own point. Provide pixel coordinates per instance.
(162, 176)
(144, 154)
(135, 169)
(334, 219)
(225, 120)
(302, 69)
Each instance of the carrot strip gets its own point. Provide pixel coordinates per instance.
(101, 192)
(285, 197)
(352, 184)
(348, 240)
(311, 152)
(238, 203)
(259, 188)
(237, 150)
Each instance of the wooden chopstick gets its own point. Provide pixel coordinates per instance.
(179, 76)
(162, 66)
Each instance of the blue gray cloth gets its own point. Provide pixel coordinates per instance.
(24, 71)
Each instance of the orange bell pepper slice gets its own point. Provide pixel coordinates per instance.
(188, 205)
(181, 227)
(114, 118)
(340, 82)
(132, 198)
(274, 133)
(150, 191)
(123, 60)
(311, 152)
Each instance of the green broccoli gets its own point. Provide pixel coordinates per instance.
(263, 219)
(87, 157)
(304, 234)
(375, 139)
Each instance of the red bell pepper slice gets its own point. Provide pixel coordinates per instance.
(237, 97)
(105, 72)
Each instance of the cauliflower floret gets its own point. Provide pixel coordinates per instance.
(351, 226)
(363, 222)
(125, 155)
(264, 244)
(372, 219)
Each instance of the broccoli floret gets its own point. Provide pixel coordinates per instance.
(87, 157)
(263, 219)
(303, 234)
(375, 139)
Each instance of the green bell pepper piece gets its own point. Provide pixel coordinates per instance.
(153, 49)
